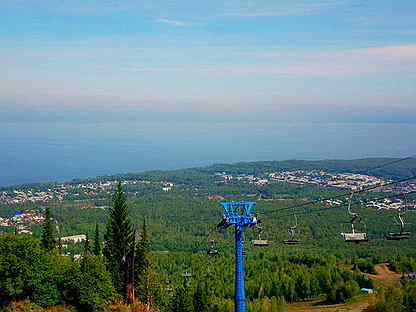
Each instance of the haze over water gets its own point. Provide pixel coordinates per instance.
(60, 151)
(305, 79)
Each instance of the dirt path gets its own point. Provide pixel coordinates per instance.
(315, 306)
(384, 275)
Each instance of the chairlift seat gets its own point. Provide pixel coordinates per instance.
(261, 243)
(397, 236)
(291, 242)
(213, 252)
(355, 237)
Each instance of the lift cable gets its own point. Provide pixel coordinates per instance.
(302, 212)
(310, 211)
(346, 194)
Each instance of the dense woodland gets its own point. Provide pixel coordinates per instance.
(178, 227)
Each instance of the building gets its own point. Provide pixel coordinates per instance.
(409, 277)
(367, 290)
(74, 239)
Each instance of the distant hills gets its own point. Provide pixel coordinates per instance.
(396, 168)
(392, 168)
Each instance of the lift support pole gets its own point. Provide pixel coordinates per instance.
(240, 294)
(239, 215)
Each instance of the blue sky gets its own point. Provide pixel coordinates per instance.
(335, 60)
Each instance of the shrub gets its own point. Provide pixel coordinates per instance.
(26, 271)
(95, 286)
(341, 292)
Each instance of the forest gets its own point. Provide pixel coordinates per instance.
(173, 231)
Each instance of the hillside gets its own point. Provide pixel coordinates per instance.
(182, 209)
(202, 175)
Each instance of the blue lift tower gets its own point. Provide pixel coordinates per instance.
(239, 215)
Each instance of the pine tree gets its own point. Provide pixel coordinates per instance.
(181, 301)
(118, 240)
(144, 237)
(97, 246)
(59, 241)
(142, 251)
(144, 270)
(60, 247)
(94, 287)
(48, 240)
(87, 247)
(200, 299)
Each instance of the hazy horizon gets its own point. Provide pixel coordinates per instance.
(101, 87)
(61, 151)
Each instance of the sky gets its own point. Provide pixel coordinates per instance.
(315, 61)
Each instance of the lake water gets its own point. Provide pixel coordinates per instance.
(39, 152)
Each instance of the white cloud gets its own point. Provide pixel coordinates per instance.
(172, 22)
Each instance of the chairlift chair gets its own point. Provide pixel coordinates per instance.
(354, 237)
(260, 242)
(402, 234)
(292, 233)
(213, 251)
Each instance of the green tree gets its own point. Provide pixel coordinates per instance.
(142, 255)
(59, 245)
(118, 239)
(68, 275)
(146, 279)
(97, 246)
(341, 291)
(26, 271)
(48, 240)
(389, 300)
(409, 299)
(87, 247)
(200, 299)
(181, 301)
(95, 284)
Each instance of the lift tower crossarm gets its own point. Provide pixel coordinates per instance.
(239, 215)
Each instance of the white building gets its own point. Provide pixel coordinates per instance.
(74, 238)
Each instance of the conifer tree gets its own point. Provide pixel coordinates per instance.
(181, 301)
(97, 246)
(118, 240)
(200, 298)
(144, 270)
(59, 240)
(142, 251)
(60, 247)
(48, 240)
(87, 247)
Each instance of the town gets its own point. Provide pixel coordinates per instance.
(348, 181)
(80, 191)
(22, 221)
(71, 191)
(343, 181)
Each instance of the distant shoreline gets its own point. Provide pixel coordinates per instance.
(341, 165)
